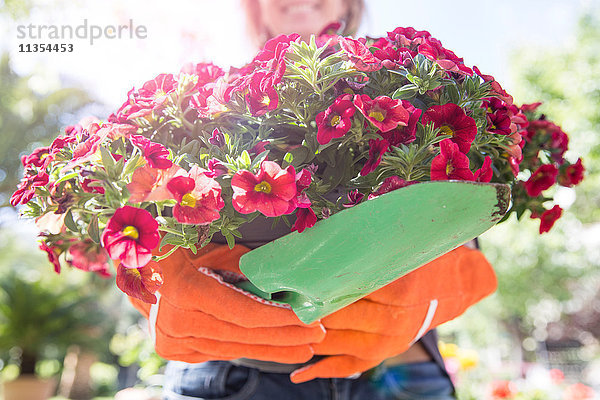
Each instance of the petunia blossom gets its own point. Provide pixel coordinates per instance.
(150, 184)
(53, 254)
(548, 218)
(359, 55)
(451, 163)
(271, 191)
(383, 112)
(451, 120)
(305, 218)
(336, 120)
(130, 236)
(571, 175)
(154, 153)
(485, 173)
(198, 197)
(376, 150)
(390, 184)
(543, 178)
(88, 256)
(142, 282)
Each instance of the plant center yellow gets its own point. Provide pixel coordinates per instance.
(131, 231)
(446, 130)
(263, 187)
(377, 115)
(335, 120)
(188, 201)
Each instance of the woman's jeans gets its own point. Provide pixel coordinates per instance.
(223, 380)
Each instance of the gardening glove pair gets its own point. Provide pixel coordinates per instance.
(388, 321)
(200, 315)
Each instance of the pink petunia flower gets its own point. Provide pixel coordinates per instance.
(359, 55)
(150, 184)
(141, 282)
(26, 188)
(154, 153)
(383, 112)
(87, 256)
(271, 191)
(130, 236)
(451, 120)
(336, 120)
(53, 254)
(451, 163)
(198, 197)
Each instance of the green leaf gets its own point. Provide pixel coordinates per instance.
(245, 158)
(107, 160)
(70, 223)
(405, 92)
(67, 177)
(93, 230)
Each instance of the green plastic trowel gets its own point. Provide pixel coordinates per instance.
(359, 250)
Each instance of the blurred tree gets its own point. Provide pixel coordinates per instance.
(28, 119)
(544, 280)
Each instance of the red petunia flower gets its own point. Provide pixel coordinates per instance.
(155, 153)
(496, 88)
(548, 218)
(376, 150)
(270, 192)
(336, 120)
(215, 168)
(404, 134)
(485, 173)
(383, 112)
(88, 256)
(451, 120)
(433, 49)
(390, 184)
(354, 198)
(217, 138)
(305, 218)
(543, 178)
(142, 282)
(198, 197)
(150, 184)
(53, 253)
(451, 163)
(26, 189)
(130, 236)
(571, 175)
(359, 55)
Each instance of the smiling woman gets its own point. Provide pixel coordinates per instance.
(269, 18)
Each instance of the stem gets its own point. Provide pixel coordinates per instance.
(167, 254)
(172, 231)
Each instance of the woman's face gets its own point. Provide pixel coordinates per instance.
(305, 17)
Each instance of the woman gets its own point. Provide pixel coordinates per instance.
(417, 373)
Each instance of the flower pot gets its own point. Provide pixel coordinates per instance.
(359, 250)
(29, 387)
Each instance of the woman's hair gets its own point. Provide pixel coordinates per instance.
(259, 35)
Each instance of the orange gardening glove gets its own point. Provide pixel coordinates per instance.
(387, 322)
(199, 316)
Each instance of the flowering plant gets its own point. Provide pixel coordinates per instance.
(306, 128)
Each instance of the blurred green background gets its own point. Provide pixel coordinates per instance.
(80, 330)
